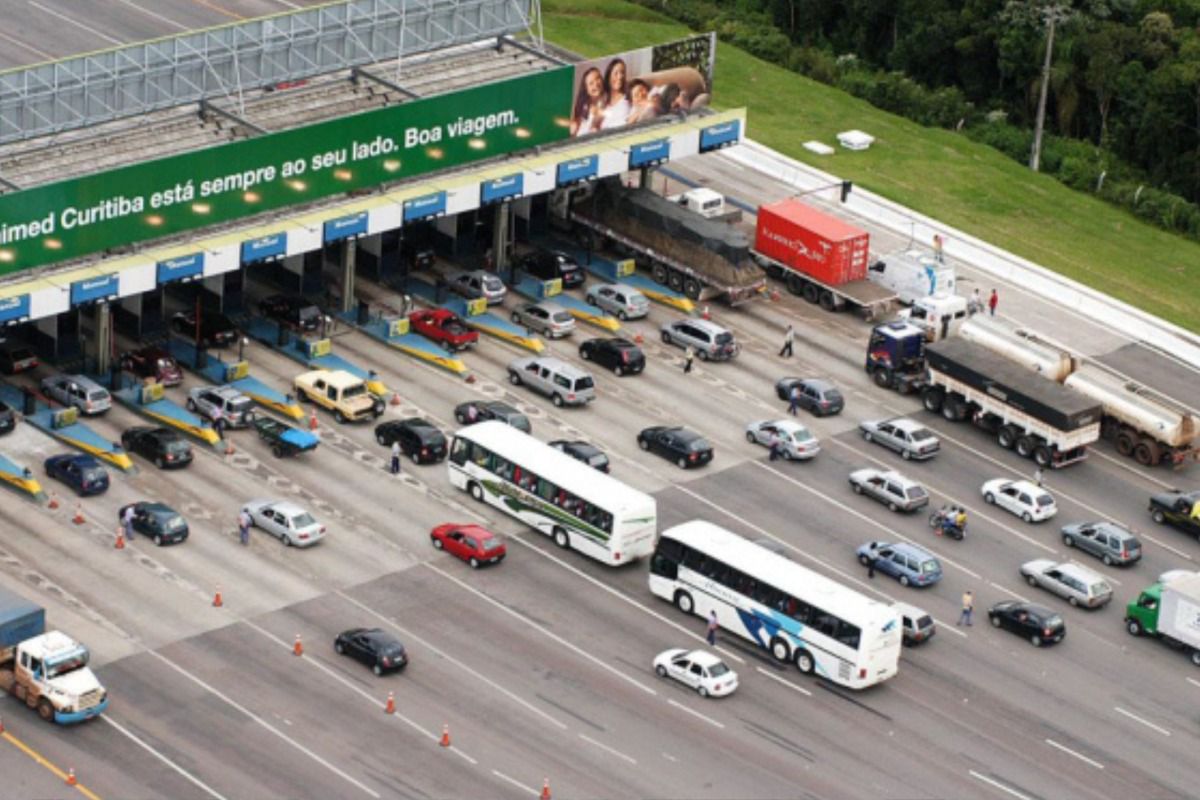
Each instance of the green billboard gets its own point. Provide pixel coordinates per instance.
(132, 204)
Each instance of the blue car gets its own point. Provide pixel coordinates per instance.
(907, 563)
(82, 473)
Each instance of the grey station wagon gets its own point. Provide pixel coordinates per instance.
(1108, 542)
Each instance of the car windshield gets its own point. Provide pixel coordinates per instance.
(833, 395)
(1053, 621)
(925, 622)
(92, 474)
(166, 363)
(520, 422)
(355, 391)
(303, 520)
(492, 284)
(97, 395)
(929, 567)
(718, 669)
(241, 404)
(802, 436)
(177, 446)
(1044, 500)
(585, 382)
(174, 523)
(309, 312)
(921, 434)
(20, 353)
(724, 338)
(597, 460)
(1101, 588)
(913, 492)
(562, 316)
(697, 445)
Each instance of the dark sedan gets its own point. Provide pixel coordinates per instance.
(419, 440)
(816, 395)
(379, 650)
(82, 473)
(622, 356)
(153, 362)
(16, 357)
(686, 448)
(216, 329)
(163, 446)
(493, 409)
(582, 451)
(291, 311)
(1038, 624)
(156, 521)
(1178, 509)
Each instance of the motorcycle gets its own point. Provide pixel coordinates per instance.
(944, 519)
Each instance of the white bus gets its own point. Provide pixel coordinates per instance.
(797, 614)
(578, 506)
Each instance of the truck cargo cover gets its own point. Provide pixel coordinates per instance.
(1040, 397)
(19, 619)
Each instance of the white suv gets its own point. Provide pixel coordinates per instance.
(224, 403)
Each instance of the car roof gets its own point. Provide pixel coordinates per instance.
(416, 422)
(785, 424)
(1080, 571)
(157, 508)
(905, 424)
(1113, 528)
(380, 636)
(579, 446)
(705, 324)
(702, 657)
(546, 304)
(820, 384)
(80, 459)
(892, 475)
(499, 405)
(911, 549)
(287, 507)
(687, 435)
(475, 530)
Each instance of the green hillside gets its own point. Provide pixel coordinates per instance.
(939, 173)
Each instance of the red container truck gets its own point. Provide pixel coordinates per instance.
(819, 257)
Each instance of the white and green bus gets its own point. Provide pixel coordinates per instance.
(799, 615)
(578, 506)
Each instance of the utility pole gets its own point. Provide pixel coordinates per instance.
(1052, 15)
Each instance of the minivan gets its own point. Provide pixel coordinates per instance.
(563, 383)
(710, 340)
(1078, 584)
(546, 265)
(916, 626)
(79, 391)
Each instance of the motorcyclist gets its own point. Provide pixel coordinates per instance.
(960, 519)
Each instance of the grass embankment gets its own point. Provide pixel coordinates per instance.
(939, 173)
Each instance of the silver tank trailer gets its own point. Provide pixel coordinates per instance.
(1135, 405)
(1037, 356)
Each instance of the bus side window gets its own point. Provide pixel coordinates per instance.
(480, 456)
(458, 454)
(664, 567)
(502, 468)
(548, 491)
(848, 634)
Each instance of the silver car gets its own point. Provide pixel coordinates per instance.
(563, 383)
(909, 438)
(225, 403)
(623, 302)
(292, 524)
(478, 283)
(1078, 584)
(549, 319)
(79, 391)
(1107, 541)
(891, 488)
(796, 443)
(710, 341)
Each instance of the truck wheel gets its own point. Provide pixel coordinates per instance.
(812, 293)
(1125, 442)
(1134, 627)
(339, 416)
(45, 710)
(1042, 455)
(828, 301)
(277, 451)
(675, 281)
(883, 377)
(1147, 453)
(1158, 517)
(514, 379)
(795, 284)
(1196, 657)
(666, 337)
(691, 288)
(950, 408)
(1025, 446)
(932, 399)
(1007, 437)
(659, 273)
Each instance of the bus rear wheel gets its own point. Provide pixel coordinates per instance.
(561, 539)
(779, 649)
(804, 662)
(684, 602)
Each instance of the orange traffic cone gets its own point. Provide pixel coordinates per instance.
(120, 545)
(705, 313)
(71, 777)
(445, 736)
(545, 789)
(638, 339)
(217, 602)
(78, 518)
(312, 420)
(53, 504)
(395, 398)
(298, 647)
(775, 296)
(390, 708)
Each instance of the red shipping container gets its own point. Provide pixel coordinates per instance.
(812, 242)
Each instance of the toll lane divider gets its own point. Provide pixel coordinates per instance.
(475, 314)
(235, 374)
(314, 354)
(21, 479)
(63, 424)
(147, 400)
(551, 291)
(394, 333)
(625, 272)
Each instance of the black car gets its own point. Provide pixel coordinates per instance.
(163, 446)
(622, 356)
(1177, 509)
(8, 420)
(419, 440)
(686, 448)
(547, 265)
(818, 396)
(491, 409)
(1038, 624)
(16, 357)
(582, 451)
(292, 311)
(378, 649)
(216, 329)
(82, 473)
(161, 523)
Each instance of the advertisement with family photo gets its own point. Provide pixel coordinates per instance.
(639, 85)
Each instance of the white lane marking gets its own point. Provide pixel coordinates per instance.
(1071, 752)
(155, 15)
(51, 12)
(138, 741)
(1147, 723)
(999, 785)
(579, 651)
(695, 714)
(608, 749)
(1125, 464)
(520, 786)
(479, 676)
(670, 757)
(263, 723)
(39, 53)
(433, 736)
(1193, 681)
(998, 587)
(600, 585)
(785, 682)
(1165, 546)
(838, 503)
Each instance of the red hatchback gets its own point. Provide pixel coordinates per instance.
(444, 327)
(473, 544)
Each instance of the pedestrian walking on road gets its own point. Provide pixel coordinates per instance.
(788, 337)
(992, 301)
(244, 523)
(871, 559)
(776, 448)
(968, 608)
(688, 355)
(794, 400)
(975, 305)
(396, 458)
(127, 521)
(710, 634)
(219, 425)
(938, 244)
(1037, 476)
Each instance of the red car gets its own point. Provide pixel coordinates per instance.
(153, 362)
(473, 544)
(444, 327)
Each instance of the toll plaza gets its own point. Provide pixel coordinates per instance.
(236, 374)
(20, 478)
(625, 271)
(147, 400)
(64, 425)
(551, 290)
(394, 332)
(312, 353)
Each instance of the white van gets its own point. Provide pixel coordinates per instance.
(940, 315)
(913, 274)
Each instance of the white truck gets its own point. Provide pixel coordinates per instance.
(940, 316)
(913, 275)
(46, 670)
(1169, 611)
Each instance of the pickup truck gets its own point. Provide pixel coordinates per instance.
(444, 327)
(284, 439)
(344, 394)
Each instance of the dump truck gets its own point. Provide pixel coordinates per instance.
(45, 670)
(696, 256)
(1169, 611)
(1034, 415)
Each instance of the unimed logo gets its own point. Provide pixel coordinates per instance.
(98, 283)
(9, 303)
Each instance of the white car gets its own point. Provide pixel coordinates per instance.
(795, 440)
(698, 670)
(1027, 500)
(283, 518)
